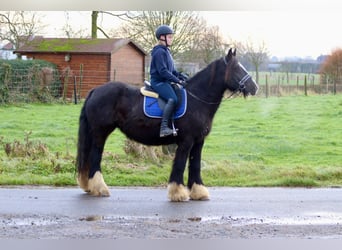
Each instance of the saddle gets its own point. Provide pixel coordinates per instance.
(153, 106)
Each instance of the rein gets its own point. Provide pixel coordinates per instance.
(201, 100)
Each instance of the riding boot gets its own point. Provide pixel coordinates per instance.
(167, 112)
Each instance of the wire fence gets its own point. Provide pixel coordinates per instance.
(47, 85)
(285, 84)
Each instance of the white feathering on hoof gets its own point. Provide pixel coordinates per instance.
(178, 192)
(82, 181)
(199, 192)
(97, 186)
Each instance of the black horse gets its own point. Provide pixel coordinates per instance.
(119, 105)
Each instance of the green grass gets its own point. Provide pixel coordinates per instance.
(287, 141)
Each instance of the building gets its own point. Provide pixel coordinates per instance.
(87, 63)
(6, 52)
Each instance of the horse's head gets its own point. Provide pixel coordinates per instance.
(237, 77)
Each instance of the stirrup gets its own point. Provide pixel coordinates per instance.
(174, 129)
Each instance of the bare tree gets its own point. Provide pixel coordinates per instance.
(210, 44)
(70, 31)
(257, 54)
(252, 54)
(18, 27)
(142, 25)
(94, 21)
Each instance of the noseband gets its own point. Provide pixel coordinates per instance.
(243, 80)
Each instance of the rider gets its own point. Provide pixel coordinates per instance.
(163, 74)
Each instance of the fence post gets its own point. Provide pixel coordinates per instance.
(267, 87)
(278, 87)
(75, 93)
(80, 82)
(305, 86)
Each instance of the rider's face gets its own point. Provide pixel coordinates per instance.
(169, 39)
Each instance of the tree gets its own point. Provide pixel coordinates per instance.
(18, 27)
(193, 41)
(331, 69)
(256, 54)
(209, 46)
(94, 24)
(252, 54)
(70, 32)
(142, 25)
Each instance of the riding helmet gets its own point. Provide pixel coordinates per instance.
(163, 30)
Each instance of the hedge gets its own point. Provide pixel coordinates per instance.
(28, 81)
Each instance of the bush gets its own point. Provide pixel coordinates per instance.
(331, 69)
(28, 81)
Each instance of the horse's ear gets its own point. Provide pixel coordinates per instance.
(231, 53)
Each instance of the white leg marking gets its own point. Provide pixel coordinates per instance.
(178, 192)
(97, 186)
(199, 192)
(82, 181)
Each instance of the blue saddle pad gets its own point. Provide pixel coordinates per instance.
(152, 109)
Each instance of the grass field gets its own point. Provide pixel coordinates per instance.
(287, 141)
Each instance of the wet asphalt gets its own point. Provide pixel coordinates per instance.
(289, 206)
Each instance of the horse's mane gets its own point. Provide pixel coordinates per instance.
(206, 74)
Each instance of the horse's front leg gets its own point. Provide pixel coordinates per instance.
(176, 189)
(197, 190)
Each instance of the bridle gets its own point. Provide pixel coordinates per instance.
(242, 85)
(242, 81)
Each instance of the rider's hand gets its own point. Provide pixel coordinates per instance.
(182, 83)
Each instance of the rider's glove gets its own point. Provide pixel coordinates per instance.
(182, 83)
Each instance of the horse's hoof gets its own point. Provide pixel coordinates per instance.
(177, 192)
(82, 181)
(199, 192)
(97, 186)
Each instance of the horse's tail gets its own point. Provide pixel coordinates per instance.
(83, 148)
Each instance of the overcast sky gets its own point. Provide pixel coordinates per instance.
(286, 33)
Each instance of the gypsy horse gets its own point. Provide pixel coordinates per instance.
(119, 105)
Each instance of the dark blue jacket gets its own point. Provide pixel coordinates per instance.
(162, 68)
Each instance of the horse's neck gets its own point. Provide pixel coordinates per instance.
(206, 90)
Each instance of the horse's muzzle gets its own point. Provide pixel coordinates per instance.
(251, 88)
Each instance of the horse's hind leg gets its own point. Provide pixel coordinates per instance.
(96, 183)
(197, 190)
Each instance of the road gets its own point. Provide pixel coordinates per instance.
(46, 212)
